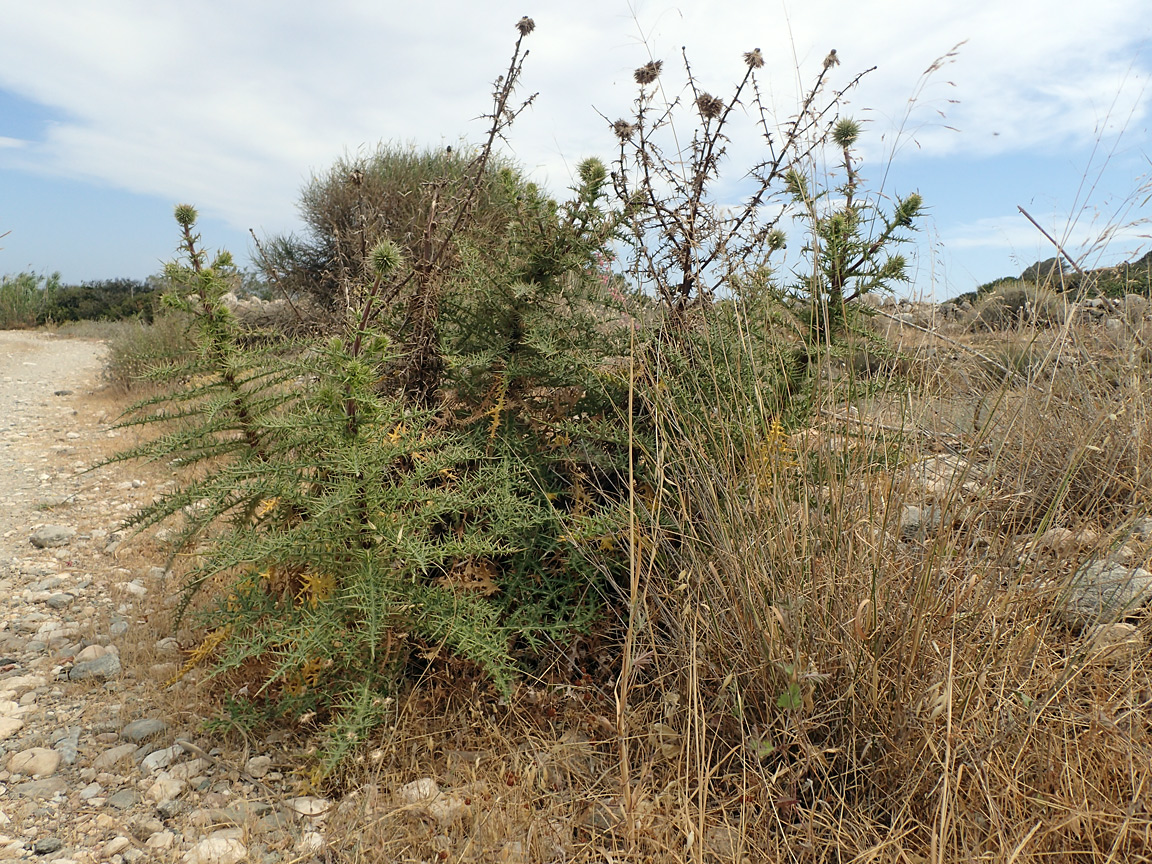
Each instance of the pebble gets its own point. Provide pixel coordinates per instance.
(159, 759)
(46, 788)
(105, 667)
(68, 744)
(124, 799)
(165, 789)
(9, 726)
(115, 846)
(51, 536)
(47, 845)
(110, 757)
(258, 766)
(139, 731)
(217, 850)
(35, 761)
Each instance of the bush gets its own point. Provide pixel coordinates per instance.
(103, 300)
(391, 194)
(23, 298)
(138, 352)
(363, 515)
(1014, 304)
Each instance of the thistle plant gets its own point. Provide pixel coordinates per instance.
(408, 487)
(849, 250)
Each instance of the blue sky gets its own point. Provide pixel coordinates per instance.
(113, 111)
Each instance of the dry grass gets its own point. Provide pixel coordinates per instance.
(812, 687)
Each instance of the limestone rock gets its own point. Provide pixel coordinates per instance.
(1102, 591)
(919, 523)
(109, 758)
(139, 731)
(1114, 644)
(36, 762)
(418, 791)
(104, 668)
(217, 850)
(50, 536)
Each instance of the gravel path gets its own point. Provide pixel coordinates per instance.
(99, 760)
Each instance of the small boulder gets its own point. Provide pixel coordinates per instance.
(50, 536)
(1115, 644)
(217, 850)
(36, 762)
(139, 731)
(1102, 591)
(105, 667)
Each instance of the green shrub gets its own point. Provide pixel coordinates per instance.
(23, 298)
(103, 300)
(1014, 304)
(391, 193)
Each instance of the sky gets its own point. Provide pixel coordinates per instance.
(113, 111)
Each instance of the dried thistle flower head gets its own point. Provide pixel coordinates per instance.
(710, 106)
(831, 60)
(649, 72)
(525, 25)
(753, 59)
(623, 129)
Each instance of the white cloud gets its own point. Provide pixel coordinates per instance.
(12, 143)
(231, 105)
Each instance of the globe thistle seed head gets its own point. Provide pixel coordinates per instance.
(649, 72)
(623, 129)
(525, 25)
(384, 257)
(709, 106)
(754, 59)
(776, 240)
(185, 215)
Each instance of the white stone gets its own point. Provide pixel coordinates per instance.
(258, 766)
(216, 850)
(160, 759)
(310, 843)
(24, 682)
(161, 840)
(92, 652)
(1115, 644)
(418, 790)
(188, 770)
(36, 761)
(165, 789)
(115, 846)
(309, 806)
(9, 726)
(110, 757)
